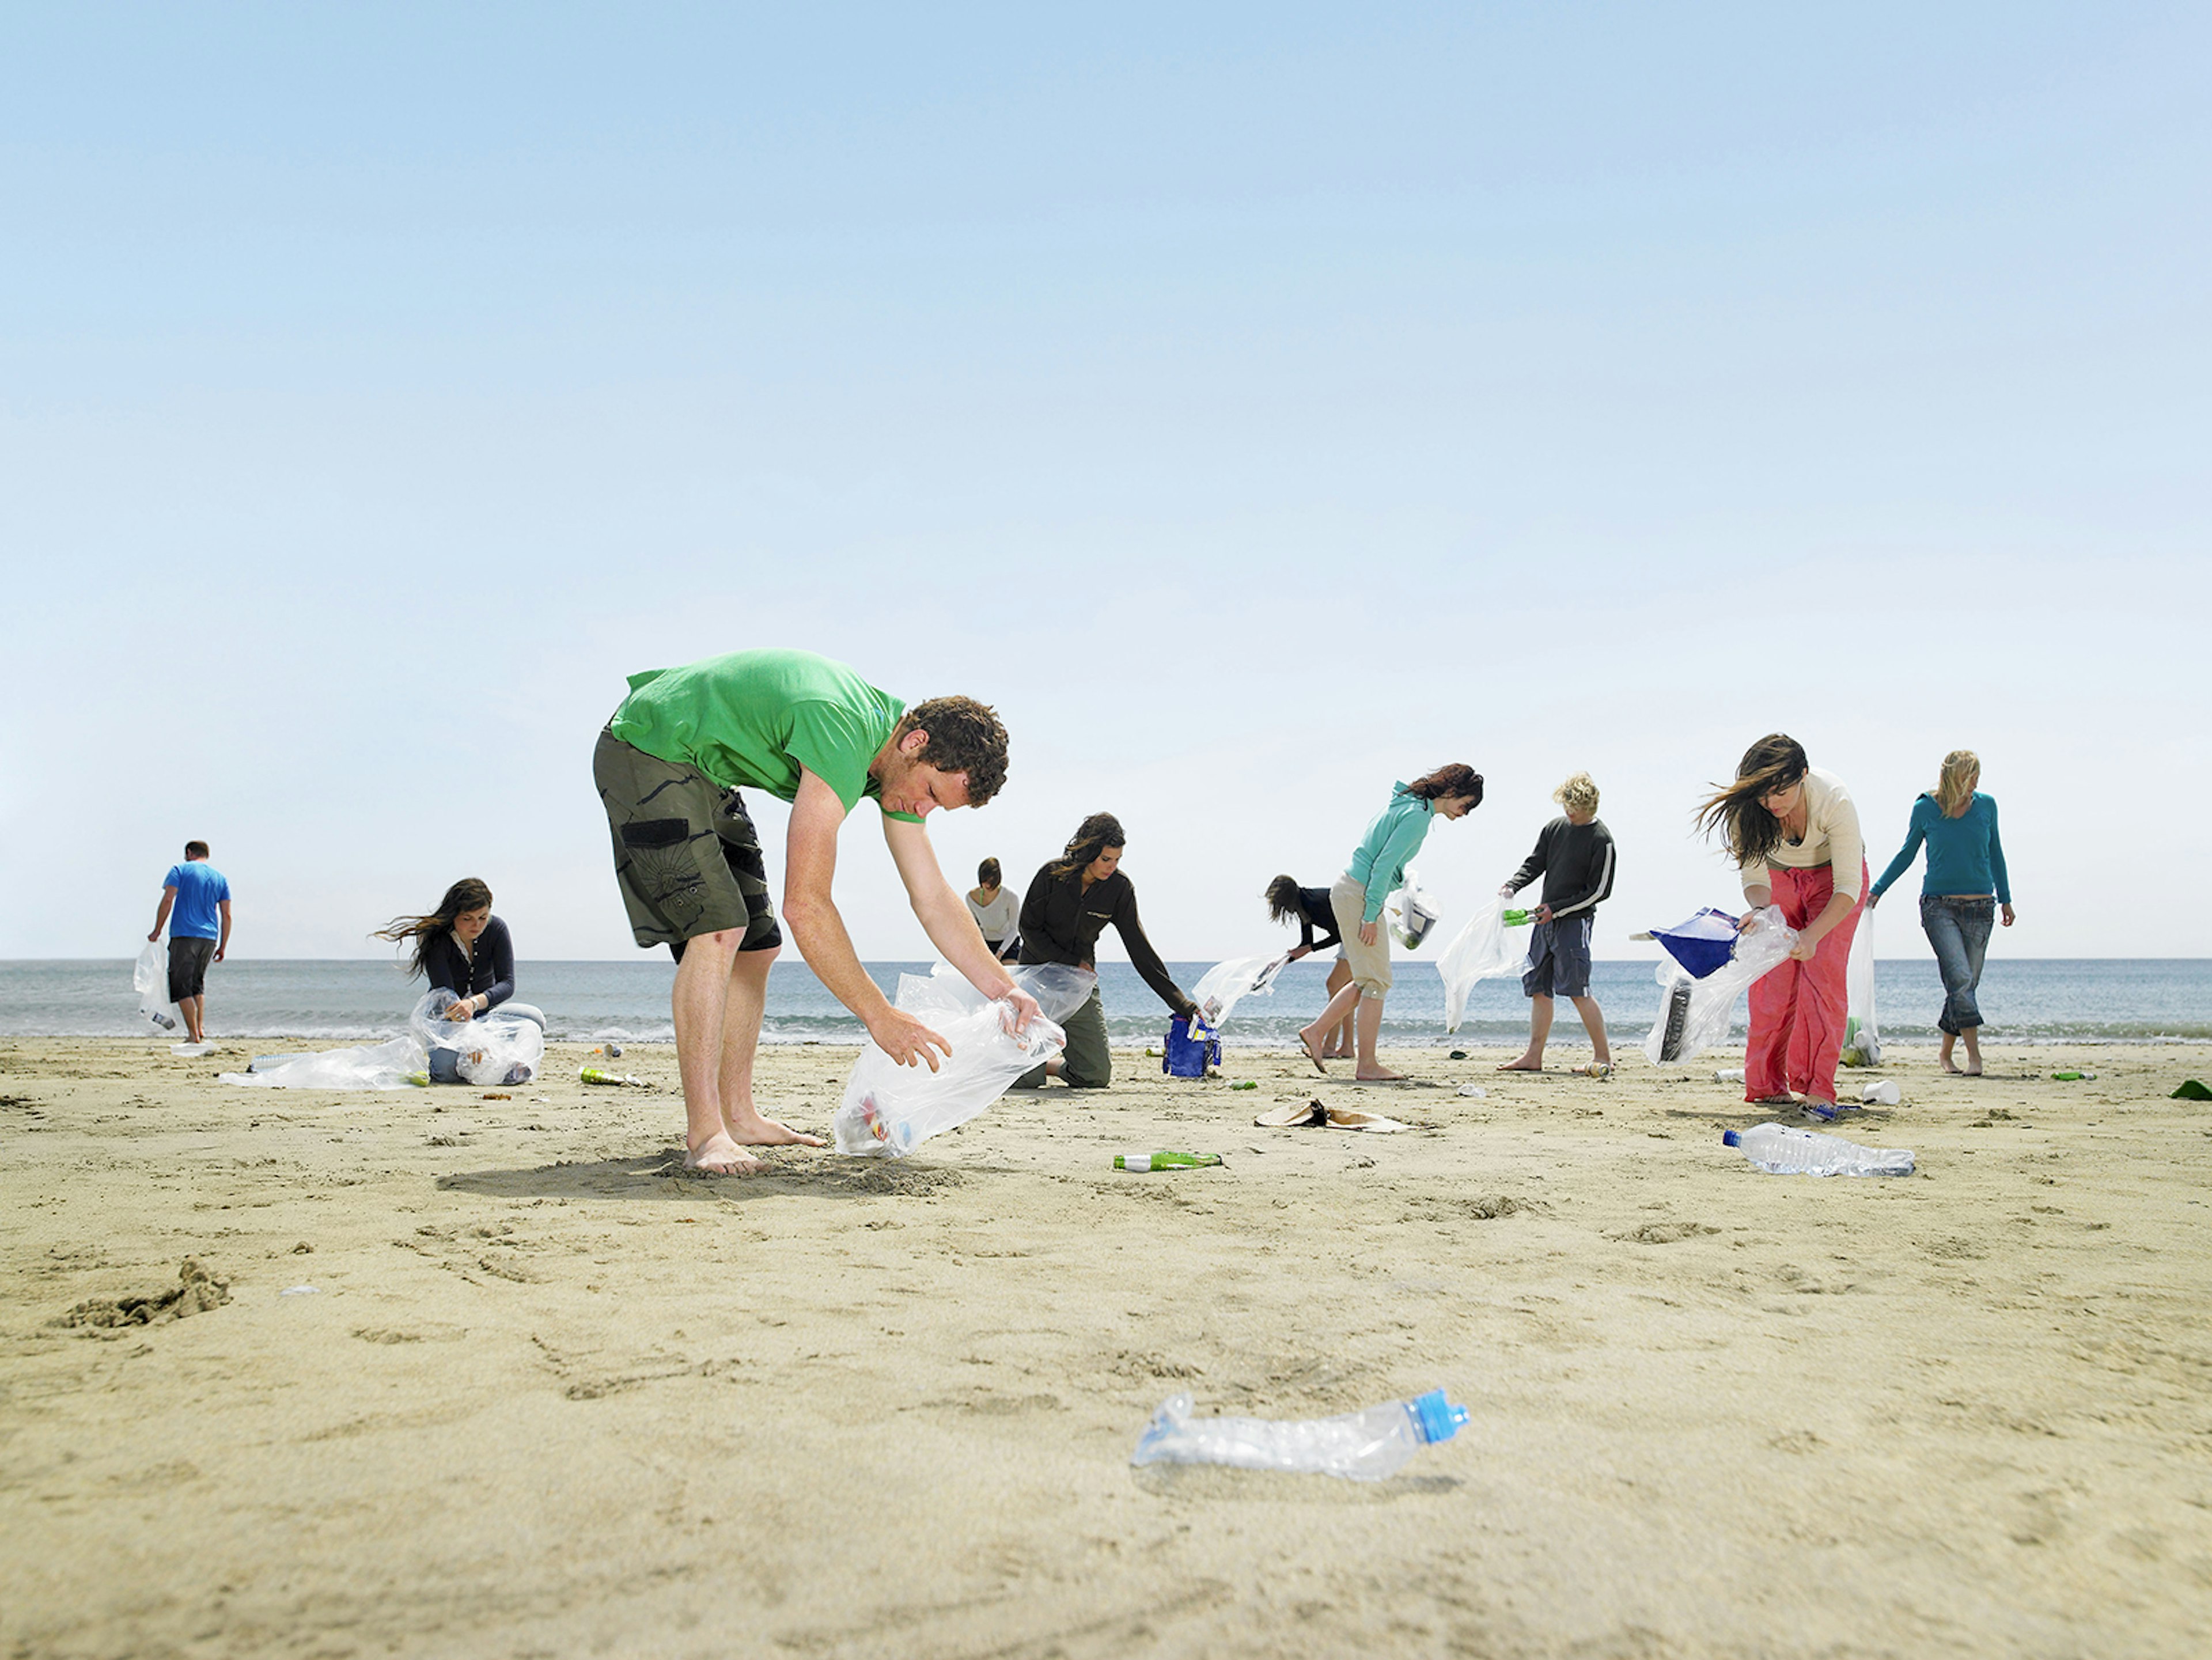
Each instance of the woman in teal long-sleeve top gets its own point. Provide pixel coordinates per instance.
(1965, 861)
(1379, 865)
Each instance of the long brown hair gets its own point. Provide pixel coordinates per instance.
(1955, 788)
(469, 893)
(1282, 898)
(1092, 836)
(1453, 778)
(1774, 763)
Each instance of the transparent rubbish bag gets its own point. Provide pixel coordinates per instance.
(1416, 910)
(505, 1046)
(1481, 950)
(149, 978)
(1694, 1014)
(889, 1109)
(396, 1065)
(1225, 984)
(1861, 1037)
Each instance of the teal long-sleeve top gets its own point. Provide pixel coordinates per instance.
(1391, 841)
(1965, 855)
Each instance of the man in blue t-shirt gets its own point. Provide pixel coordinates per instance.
(196, 905)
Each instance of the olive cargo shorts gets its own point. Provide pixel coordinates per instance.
(686, 855)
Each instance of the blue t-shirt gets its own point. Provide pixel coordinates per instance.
(200, 888)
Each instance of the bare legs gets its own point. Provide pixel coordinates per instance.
(1540, 1030)
(717, 1003)
(1973, 1035)
(194, 1010)
(1368, 1025)
(1337, 1045)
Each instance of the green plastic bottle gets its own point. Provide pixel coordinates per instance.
(1164, 1160)
(2073, 1077)
(1519, 919)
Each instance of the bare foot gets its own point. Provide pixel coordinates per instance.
(719, 1156)
(752, 1130)
(1335, 1052)
(1378, 1076)
(1526, 1063)
(1949, 1068)
(1775, 1100)
(1306, 1043)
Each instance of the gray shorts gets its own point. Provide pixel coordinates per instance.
(686, 855)
(1559, 958)
(188, 965)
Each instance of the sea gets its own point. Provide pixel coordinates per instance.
(2024, 1000)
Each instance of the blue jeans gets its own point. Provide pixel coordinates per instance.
(1959, 929)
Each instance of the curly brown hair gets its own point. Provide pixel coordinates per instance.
(964, 736)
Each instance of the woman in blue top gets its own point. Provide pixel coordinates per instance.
(1379, 865)
(1966, 860)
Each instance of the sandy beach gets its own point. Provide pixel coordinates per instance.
(550, 1396)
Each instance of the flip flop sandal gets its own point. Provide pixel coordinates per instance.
(1344, 1118)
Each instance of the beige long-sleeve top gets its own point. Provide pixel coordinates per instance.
(1832, 837)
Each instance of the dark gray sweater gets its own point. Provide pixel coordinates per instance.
(1575, 860)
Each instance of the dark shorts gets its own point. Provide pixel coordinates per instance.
(686, 854)
(1559, 958)
(188, 965)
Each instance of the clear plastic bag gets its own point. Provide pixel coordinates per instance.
(396, 1065)
(1416, 911)
(505, 1046)
(891, 1109)
(1479, 951)
(1225, 984)
(1861, 1037)
(149, 978)
(1694, 1014)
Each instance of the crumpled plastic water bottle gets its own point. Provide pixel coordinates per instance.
(1781, 1152)
(1361, 1446)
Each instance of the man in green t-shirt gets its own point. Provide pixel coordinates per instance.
(669, 767)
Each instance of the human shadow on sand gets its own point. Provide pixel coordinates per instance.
(660, 1174)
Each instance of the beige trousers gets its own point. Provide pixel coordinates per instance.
(1370, 964)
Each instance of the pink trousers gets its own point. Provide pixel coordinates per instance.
(1797, 1010)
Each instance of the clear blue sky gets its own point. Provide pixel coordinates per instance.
(1258, 406)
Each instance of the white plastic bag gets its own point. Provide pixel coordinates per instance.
(1479, 951)
(396, 1065)
(501, 1047)
(149, 978)
(1861, 1037)
(891, 1109)
(1416, 911)
(1227, 984)
(1694, 1014)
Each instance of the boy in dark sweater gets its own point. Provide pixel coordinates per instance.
(1574, 855)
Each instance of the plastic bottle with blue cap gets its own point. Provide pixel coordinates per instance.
(1361, 1446)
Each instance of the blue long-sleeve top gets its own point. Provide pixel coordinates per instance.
(1963, 854)
(1380, 860)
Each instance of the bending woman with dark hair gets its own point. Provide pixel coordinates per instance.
(1794, 835)
(464, 950)
(997, 913)
(1286, 899)
(1070, 903)
(1378, 867)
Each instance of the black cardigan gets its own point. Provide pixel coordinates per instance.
(1061, 923)
(492, 973)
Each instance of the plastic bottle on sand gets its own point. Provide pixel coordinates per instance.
(1781, 1152)
(1164, 1160)
(1365, 1446)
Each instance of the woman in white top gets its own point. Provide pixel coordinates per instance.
(1795, 834)
(995, 910)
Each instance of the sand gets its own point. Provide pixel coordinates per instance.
(549, 1396)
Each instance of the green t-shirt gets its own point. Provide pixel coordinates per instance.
(756, 717)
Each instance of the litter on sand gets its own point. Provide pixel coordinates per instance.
(1315, 1115)
(2192, 1089)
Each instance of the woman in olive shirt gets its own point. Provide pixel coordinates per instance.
(1070, 903)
